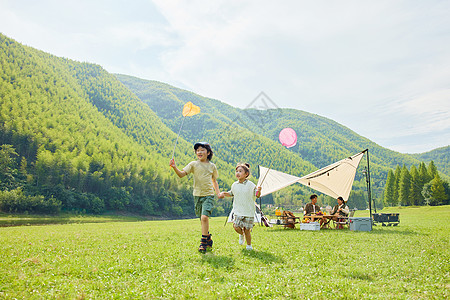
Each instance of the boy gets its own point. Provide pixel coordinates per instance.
(205, 183)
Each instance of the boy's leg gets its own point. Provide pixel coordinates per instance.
(205, 224)
(203, 208)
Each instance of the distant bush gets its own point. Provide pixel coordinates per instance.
(16, 201)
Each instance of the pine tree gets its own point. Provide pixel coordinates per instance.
(447, 192)
(424, 177)
(438, 195)
(415, 194)
(404, 186)
(396, 196)
(426, 193)
(432, 170)
(389, 190)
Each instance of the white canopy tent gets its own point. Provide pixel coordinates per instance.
(333, 180)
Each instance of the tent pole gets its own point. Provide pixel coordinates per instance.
(368, 185)
(260, 212)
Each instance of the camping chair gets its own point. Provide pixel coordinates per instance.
(288, 219)
(341, 223)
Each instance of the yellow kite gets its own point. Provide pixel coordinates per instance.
(190, 109)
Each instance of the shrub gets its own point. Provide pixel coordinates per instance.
(16, 201)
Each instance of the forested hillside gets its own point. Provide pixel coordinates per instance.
(84, 139)
(440, 156)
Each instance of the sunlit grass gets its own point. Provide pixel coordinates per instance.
(159, 259)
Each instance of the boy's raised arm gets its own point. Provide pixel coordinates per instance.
(180, 173)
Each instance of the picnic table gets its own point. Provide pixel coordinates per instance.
(325, 224)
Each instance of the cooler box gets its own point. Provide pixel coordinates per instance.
(360, 224)
(310, 226)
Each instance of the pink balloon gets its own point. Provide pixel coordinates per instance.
(288, 137)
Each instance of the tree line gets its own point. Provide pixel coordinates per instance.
(419, 185)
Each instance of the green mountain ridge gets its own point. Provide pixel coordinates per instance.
(440, 156)
(100, 142)
(80, 129)
(321, 141)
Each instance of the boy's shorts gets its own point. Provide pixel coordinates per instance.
(243, 222)
(203, 205)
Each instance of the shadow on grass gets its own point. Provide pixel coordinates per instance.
(263, 256)
(217, 261)
(396, 231)
(359, 275)
(280, 228)
(376, 230)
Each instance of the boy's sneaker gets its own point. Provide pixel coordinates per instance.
(209, 241)
(241, 239)
(249, 247)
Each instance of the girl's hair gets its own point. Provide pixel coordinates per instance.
(244, 166)
(206, 146)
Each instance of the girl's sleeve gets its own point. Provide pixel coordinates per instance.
(231, 190)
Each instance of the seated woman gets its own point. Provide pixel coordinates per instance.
(340, 210)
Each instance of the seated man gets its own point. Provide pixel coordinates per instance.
(312, 208)
(340, 210)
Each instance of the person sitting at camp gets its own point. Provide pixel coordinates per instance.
(340, 210)
(312, 208)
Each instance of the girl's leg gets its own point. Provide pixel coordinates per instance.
(248, 236)
(241, 234)
(238, 229)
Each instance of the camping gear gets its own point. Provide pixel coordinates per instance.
(386, 219)
(288, 219)
(360, 224)
(310, 226)
(333, 180)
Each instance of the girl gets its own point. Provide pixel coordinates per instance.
(243, 191)
(205, 182)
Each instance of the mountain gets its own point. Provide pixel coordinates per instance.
(440, 156)
(84, 138)
(88, 140)
(252, 134)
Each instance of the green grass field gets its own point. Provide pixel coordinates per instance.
(159, 259)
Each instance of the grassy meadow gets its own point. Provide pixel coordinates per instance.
(129, 259)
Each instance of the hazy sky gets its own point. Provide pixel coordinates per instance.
(381, 68)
